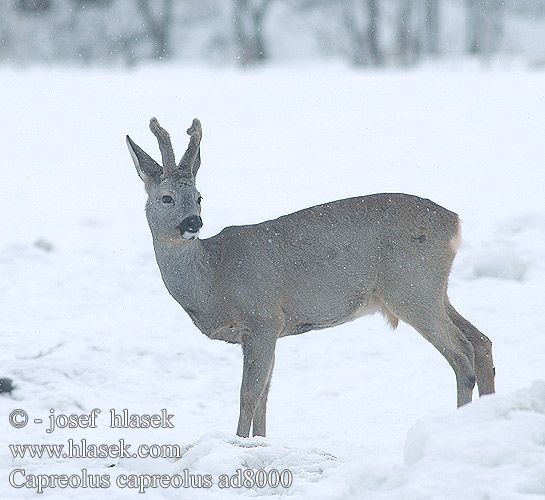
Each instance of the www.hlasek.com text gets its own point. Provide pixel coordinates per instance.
(84, 449)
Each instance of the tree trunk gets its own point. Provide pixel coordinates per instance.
(372, 32)
(497, 21)
(159, 27)
(431, 27)
(259, 52)
(365, 45)
(248, 19)
(484, 22)
(474, 26)
(404, 33)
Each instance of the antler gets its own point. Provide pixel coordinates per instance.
(190, 162)
(165, 146)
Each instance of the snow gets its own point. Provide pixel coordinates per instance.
(354, 412)
(504, 439)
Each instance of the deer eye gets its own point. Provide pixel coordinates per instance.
(199, 199)
(167, 199)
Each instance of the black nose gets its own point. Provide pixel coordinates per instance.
(192, 224)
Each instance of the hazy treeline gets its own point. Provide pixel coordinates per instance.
(365, 32)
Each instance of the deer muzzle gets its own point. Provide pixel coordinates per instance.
(190, 227)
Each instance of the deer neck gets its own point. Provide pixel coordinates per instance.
(185, 269)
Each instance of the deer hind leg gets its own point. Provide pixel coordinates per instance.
(443, 334)
(259, 425)
(433, 323)
(484, 363)
(258, 353)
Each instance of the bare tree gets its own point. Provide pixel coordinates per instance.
(372, 32)
(159, 24)
(34, 6)
(430, 43)
(407, 36)
(248, 16)
(496, 10)
(484, 26)
(474, 20)
(362, 26)
(365, 31)
(417, 29)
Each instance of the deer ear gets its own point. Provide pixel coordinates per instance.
(146, 166)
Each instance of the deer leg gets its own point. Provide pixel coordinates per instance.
(443, 334)
(484, 364)
(258, 354)
(433, 323)
(260, 415)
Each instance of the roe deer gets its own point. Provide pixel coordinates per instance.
(313, 269)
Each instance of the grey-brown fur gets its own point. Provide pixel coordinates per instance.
(313, 269)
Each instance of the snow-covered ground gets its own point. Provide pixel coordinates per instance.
(355, 412)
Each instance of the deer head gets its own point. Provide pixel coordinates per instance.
(173, 208)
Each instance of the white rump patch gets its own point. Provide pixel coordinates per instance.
(456, 241)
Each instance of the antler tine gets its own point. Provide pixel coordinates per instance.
(165, 146)
(187, 163)
(196, 127)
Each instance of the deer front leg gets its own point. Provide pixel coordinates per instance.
(259, 425)
(258, 353)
